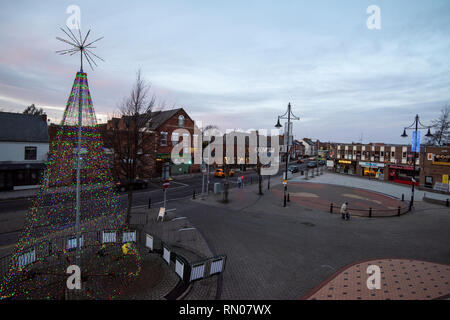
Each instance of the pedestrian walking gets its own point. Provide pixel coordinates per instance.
(344, 210)
(239, 182)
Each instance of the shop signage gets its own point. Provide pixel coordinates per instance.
(442, 159)
(345, 161)
(439, 186)
(371, 164)
(403, 167)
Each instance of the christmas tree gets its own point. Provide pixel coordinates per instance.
(76, 218)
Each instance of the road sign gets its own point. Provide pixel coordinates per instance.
(285, 182)
(166, 184)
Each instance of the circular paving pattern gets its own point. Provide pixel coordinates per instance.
(400, 279)
(320, 196)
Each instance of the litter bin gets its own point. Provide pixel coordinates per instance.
(217, 187)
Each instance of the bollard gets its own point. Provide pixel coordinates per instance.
(446, 202)
(398, 211)
(331, 207)
(268, 184)
(149, 202)
(370, 212)
(289, 200)
(284, 201)
(193, 195)
(403, 197)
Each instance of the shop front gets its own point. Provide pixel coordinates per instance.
(403, 174)
(346, 166)
(372, 170)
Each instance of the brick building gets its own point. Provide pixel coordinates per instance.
(161, 140)
(377, 160)
(435, 169)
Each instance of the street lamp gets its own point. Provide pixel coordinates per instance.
(287, 115)
(415, 126)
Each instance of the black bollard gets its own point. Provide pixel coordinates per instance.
(289, 200)
(284, 200)
(149, 202)
(398, 211)
(268, 184)
(370, 212)
(446, 202)
(193, 195)
(331, 207)
(403, 197)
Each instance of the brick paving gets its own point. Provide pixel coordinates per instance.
(391, 189)
(320, 196)
(400, 280)
(276, 252)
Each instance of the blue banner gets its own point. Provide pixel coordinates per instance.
(415, 143)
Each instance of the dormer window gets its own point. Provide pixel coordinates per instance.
(181, 121)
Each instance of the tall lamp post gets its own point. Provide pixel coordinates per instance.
(287, 115)
(415, 146)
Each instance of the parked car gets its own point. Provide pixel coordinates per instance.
(322, 162)
(123, 185)
(293, 169)
(312, 164)
(221, 174)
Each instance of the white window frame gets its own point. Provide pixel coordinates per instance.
(166, 136)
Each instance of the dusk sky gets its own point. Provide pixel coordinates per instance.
(237, 64)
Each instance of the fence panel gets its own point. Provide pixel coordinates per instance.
(166, 255)
(149, 241)
(197, 271)
(109, 237)
(217, 266)
(72, 243)
(27, 258)
(129, 236)
(179, 268)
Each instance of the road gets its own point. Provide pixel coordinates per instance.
(178, 189)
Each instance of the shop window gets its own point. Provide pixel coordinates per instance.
(163, 138)
(30, 153)
(428, 181)
(382, 153)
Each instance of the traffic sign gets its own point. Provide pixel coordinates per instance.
(166, 184)
(284, 181)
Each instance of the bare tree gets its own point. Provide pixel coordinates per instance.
(441, 126)
(131, 139)
(33, 110)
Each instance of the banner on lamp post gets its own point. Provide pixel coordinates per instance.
(415, 143)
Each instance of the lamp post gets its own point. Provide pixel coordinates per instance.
(287, 115)
(415, 146)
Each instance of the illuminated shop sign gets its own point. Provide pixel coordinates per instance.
(345, 161)
(371, 164)
(442, 159)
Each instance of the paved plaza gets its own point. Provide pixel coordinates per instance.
(400, 280)
(361, 202)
